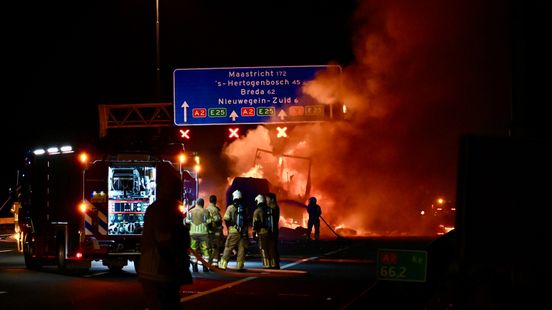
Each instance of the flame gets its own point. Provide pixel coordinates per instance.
(291, 223)
(372, 171)
(255, 172)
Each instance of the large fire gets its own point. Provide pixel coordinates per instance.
(407, 100)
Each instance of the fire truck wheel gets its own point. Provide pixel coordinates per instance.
(28, 250)
(136, 263)
(115, 264)
(115, 268)
(61, 261)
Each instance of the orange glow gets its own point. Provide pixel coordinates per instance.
(182, 158)
(182, 209)
(83, 207)
(197, 168)
(196, 159)
(291, 223)
(366, 179)
(255, 172)
(83, 157)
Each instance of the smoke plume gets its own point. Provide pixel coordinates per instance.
(425, 72)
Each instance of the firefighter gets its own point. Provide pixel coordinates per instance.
(215, 231)
(235, 219)
(260, 226)
(198, 219)
(314, 212)
(273, 219)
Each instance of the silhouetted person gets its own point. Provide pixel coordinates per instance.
(273, 225)
(236, 219)
(164, 263)
(314, 212)
(260, 226)
(215, 231)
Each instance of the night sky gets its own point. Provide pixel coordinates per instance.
(63, 58)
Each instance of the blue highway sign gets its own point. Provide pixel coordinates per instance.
(247, 95)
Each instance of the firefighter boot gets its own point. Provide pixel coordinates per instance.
(194, 267)
(223, 264)
(205, 268)
(266, 263)
(240, 265)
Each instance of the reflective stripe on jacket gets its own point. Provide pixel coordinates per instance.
(198, 218)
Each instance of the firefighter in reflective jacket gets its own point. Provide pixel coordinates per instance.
(235, 219)
(215, 231)
(260, 225)
(198, 218)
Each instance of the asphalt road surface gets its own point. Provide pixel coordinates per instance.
(330, 274)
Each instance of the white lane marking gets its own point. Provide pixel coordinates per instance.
(3, 292)
(95, 274)
(5, 251)
(231, 284)
(216, 289)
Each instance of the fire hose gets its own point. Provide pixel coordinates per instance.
(249, 272)
(330, 227)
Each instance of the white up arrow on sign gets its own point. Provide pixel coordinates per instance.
(282, 114)
(185, 106)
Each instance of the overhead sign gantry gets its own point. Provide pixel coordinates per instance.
(247, 95)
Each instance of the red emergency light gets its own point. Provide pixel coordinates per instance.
(281, 132)
(185, 133)
(234, 132)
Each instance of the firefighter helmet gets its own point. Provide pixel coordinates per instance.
(236, 194)
(259, 199)
(312, 200)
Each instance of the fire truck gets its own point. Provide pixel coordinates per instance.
(75, 206)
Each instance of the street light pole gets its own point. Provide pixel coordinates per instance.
(157, 57)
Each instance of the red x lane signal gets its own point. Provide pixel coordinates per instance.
(234, 132)
(281, 132)
(185, 133)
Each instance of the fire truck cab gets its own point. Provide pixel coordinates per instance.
(75, 208)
